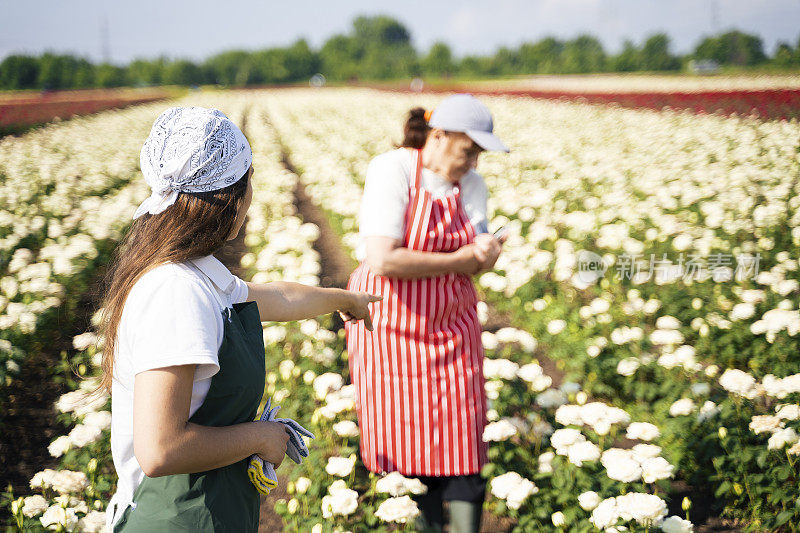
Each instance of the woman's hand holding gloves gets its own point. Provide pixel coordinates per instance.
(284, 436)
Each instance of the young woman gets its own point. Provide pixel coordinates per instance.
(184, 353)
(419, 375)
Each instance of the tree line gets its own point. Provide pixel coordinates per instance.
(380, 48)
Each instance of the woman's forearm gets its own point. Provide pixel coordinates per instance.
(196, 448)
(401, 262)
(282, 301)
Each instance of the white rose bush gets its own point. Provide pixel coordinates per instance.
(638, 349)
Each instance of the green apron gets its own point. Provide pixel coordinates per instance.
(222, 499)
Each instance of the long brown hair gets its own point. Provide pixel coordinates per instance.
(196, 225)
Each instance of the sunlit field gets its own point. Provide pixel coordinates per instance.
(640, 332)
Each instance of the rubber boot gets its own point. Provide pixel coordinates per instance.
(465, 517)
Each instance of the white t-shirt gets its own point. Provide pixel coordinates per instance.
(172, 316)
(385, 200)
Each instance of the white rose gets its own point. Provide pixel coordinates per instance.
(60, 446)
(341, 501)
(676, 524)
(501, 486)
(530, 372)
(605, 514)
(562, 439)
(642, 431)
(554, 327)
(641, 452)
(656, 468)
(68, 481)
(396, 484)
(558, 519)
(765, 423)
(499, 431)
(583, 451)
(627, 366)
(93, 522)
(589, 500)
(98, 419)
(326, 383)
(681, 407)
(567, 415)
(301, 485)
(781, 438)
(346, 428)
(82, 435)
(540, 383)
(399, 510)
(56, 516)
(499, 369)
(621, 465)
(339, 466)
(788, 412)
(738, 382)
(646, 509)
(520, 493)
(742, 311)
(551, 398)
(43, 479)
(34, 505)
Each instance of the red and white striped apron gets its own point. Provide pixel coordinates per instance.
(418, 375)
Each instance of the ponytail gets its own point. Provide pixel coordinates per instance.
(416, 129)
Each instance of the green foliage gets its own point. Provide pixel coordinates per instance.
(380, 48)
(732, 48)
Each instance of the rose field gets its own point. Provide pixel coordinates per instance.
(640, 327)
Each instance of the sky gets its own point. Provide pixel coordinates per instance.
(196, 29)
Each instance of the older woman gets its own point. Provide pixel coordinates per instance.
(418, 375)
(184, 352)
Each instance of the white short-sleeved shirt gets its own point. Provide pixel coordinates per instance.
(172, 316)
(385, 200)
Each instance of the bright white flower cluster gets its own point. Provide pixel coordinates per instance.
(645, 509)
(396, 484)
(640, 462)
(340, 500)
(512, 488)
(597, 415)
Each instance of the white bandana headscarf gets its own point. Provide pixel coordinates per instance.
(191, 149)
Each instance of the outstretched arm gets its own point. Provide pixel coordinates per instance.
(282, 301)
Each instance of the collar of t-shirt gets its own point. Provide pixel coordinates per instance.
(216, 272)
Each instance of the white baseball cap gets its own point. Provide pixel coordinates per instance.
(464, 113)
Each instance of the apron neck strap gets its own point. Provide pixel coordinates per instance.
(417, 167)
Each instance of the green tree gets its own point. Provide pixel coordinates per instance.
(732, 48)
(656, 55)
(182, 72)
(108, 75)
(301, 61)
(543, 57)
(506, 61)
(438, 61)
(339, 57)
(64, 72)
(629, 59)
(19, 72)
(143, 72)
(229, 68)
(584, 54)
